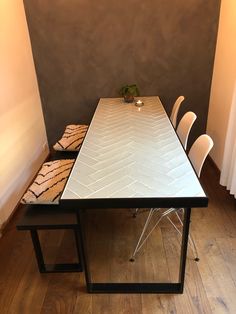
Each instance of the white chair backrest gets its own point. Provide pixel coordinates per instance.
(175, 110)
(184, 127)
(199, 151)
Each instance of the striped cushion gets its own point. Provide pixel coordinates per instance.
(49, 183)
(72, 138)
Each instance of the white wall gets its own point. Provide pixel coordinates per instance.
(23, 142)
(224, 79)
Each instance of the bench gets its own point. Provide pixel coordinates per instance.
(47, 217)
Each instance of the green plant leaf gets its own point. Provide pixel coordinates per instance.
(129, 90)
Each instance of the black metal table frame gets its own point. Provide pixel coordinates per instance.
(136, 287)
(92, 204)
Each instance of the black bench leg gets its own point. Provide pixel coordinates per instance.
(56, 268)
(78, 249)
(38, 251)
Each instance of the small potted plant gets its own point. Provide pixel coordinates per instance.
(129, 92)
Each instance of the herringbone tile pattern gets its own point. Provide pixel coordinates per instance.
(131, 152)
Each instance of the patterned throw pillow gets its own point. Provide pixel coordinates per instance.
(49, 183)
(72, 138)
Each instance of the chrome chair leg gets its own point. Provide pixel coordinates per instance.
(138, 246)
(141, 241)
(135, 212)
(192, 243)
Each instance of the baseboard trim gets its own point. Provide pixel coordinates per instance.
(211, 161)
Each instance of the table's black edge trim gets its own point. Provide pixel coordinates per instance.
(135, 202)
(135, 288)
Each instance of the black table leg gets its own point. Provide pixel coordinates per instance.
(184, 246)
(83, 249)
(175, 287)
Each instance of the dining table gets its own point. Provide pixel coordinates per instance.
(131, 157)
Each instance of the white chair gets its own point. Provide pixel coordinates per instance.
(199, 151)
(175, 110)
(185, 126)
(197, 154)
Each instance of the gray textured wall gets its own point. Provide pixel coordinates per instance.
(87, 49)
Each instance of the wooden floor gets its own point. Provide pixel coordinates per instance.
(210, 285)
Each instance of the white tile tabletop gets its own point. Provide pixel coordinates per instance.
(131, 152)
